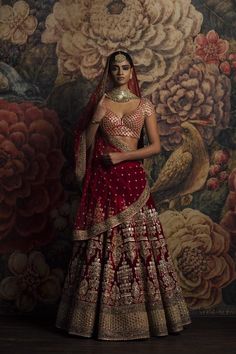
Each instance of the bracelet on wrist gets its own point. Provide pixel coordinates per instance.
(95, 122)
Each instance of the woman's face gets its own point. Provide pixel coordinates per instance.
(120, 72)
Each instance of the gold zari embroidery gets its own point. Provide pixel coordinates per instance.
(121, 285)
(126, 322)
(114, 220)
(81, 158)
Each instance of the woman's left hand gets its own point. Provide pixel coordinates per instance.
(113, 158)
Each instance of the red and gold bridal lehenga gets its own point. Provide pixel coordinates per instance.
(121, 283)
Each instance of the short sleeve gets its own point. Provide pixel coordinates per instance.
(149, 108)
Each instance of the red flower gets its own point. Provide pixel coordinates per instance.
(221, 157)
(232, 59)
(30, 164)
(214, 170)
(211, 48)
(225, 68)
(232, 56)
(223, 176)
(213, 183)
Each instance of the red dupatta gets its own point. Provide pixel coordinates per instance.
(111, 194)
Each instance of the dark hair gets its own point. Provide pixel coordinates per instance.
(127, 56)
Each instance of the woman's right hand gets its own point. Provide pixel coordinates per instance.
(100, 110)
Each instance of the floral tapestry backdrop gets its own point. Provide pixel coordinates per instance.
(52, 53)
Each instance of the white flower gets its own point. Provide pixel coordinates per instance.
(156, 34)
(199, 248)
(16, 24)
(32, 281)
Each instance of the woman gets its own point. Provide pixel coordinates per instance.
(121, 283)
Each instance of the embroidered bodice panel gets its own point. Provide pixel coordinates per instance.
(130, 124)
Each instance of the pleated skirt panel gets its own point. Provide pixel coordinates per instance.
(122, 285)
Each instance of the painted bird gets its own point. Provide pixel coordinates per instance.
(187, 168)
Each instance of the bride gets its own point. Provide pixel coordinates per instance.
(121, 282)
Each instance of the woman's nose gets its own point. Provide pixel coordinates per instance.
(120, 71)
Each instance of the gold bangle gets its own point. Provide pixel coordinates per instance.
(95, 122)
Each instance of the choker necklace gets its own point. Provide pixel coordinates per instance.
(119, 95)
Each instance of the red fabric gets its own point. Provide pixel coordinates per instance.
(88, 111)
(108, 190)
(105, 191)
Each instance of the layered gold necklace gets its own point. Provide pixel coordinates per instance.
(121, 95)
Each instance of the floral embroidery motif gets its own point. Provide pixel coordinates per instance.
(137, 278)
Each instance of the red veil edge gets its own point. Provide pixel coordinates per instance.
(81, 155)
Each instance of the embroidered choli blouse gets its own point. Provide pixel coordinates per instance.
(130, 124)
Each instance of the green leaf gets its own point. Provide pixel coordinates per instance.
(211, 202)
(39, 66)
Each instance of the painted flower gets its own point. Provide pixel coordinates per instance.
(64, 216)
(199, 248)
(16, 23)
(211, 48)
(155, 33)
(197, 93)
(228, 66)
(213, 183)
(225, 67)
(221, 157)
(30, 165)
(232, 61)
(32, 281)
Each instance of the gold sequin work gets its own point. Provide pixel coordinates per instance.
(130, 124)
(122, 284)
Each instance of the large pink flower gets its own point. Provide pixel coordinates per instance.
(30, 164)
(211, 48)
(197, 93)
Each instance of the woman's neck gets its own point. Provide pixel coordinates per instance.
(121, 87)
(121, 94)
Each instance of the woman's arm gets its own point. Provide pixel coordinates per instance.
(153, 148)
(94, 124)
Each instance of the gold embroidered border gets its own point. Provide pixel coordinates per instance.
(117, 143)
(80, 158)
(134, 321)
(114, 220)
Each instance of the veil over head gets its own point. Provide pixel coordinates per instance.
(88, 111)
(101, 88)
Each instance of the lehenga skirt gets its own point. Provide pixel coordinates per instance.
(122, 285)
